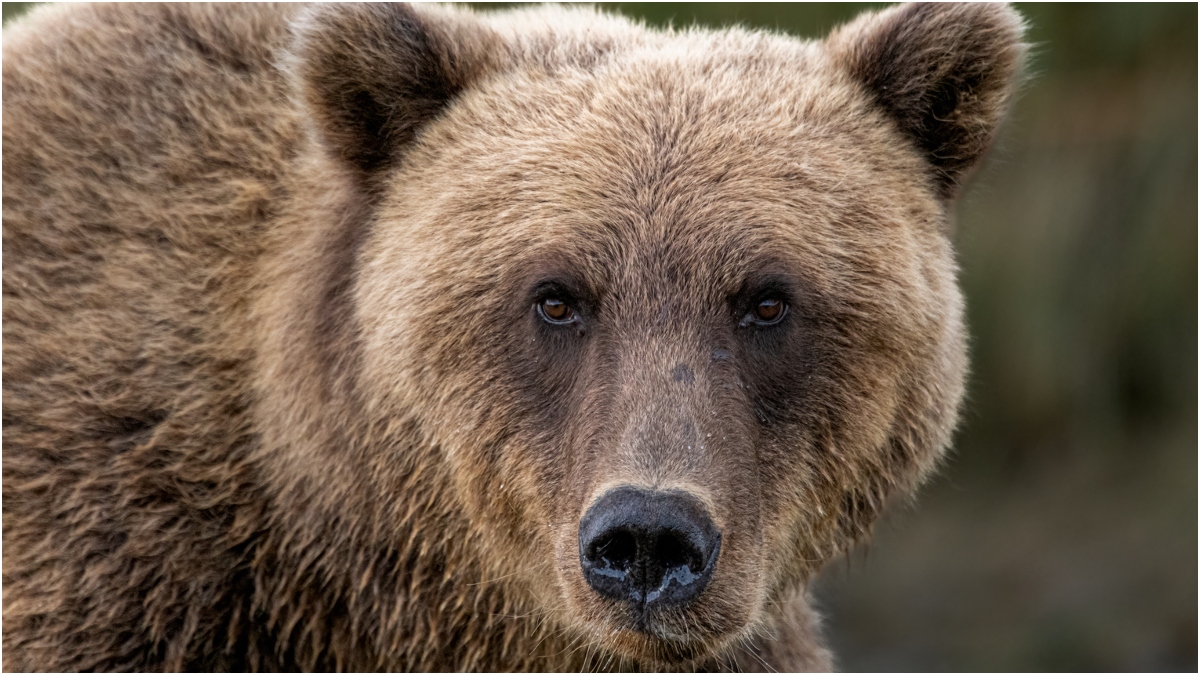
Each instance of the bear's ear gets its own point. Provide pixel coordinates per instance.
(371, 74)
(943, 72)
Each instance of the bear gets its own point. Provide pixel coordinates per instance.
(388, 337)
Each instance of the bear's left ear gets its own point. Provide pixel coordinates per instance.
(943, 72)
(370, 75)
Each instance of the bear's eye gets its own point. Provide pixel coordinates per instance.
(767, 312)
(556, 311)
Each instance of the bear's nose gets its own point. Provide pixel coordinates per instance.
(648, 548)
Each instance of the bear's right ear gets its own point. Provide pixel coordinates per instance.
(372, 74)
(943, 72)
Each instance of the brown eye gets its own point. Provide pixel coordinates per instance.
(769, 311)
(555, 310)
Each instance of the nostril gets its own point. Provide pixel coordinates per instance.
(616, 550)
(673, 550)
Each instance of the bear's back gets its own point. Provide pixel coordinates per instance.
(134, 137)
(144, 146)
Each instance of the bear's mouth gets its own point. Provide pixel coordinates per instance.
(671, 636)
(667, 641)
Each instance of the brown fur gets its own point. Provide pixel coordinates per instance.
(274, 395)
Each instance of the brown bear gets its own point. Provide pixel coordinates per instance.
(373, 337)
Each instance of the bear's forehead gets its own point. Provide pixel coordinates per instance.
(652, 106)
(663, 162)
(711, 100)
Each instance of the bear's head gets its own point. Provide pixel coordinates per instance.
(678, 310)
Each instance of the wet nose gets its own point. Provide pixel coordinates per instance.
(648, 548)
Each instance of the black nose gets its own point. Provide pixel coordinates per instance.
(648, 548)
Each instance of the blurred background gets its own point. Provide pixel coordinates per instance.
(1062, 532)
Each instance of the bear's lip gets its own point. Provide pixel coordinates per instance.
(668, 637)
(654, 642)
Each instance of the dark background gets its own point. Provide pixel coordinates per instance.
(1062, 532)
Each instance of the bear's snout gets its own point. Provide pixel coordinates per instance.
(648, 548)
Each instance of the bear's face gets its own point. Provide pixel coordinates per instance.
(680, 318)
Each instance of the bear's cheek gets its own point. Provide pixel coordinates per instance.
(824, 396)
(828, 456)
(443, 353)
(513, 459)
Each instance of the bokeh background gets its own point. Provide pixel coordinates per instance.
(1062, 533)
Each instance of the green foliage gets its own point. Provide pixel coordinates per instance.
(14, 9)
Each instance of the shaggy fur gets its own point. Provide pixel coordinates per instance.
(276, 395)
